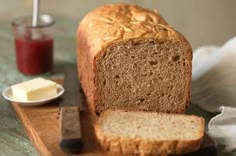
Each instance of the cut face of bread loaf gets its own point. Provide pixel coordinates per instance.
(146, 133)
(129, 59)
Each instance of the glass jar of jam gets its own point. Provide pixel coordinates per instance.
(34, 45)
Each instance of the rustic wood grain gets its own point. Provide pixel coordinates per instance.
(70, 129)
(42, 126)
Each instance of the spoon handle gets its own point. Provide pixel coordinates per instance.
(35, 12)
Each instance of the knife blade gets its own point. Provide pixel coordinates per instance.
(70, 107)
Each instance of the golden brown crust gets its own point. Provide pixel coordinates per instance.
(113, 22)
(116, 23)
(146, 147)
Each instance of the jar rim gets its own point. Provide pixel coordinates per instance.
(45, 21)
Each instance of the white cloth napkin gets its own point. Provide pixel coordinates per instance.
(214, 89)
(223, 127)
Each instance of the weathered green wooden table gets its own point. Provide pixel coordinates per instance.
(13, 138)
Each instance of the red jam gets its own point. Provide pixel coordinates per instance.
(34, 56)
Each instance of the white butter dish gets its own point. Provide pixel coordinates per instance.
(7, 94)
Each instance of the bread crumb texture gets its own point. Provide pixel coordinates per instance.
(149, 133)
(130, 59)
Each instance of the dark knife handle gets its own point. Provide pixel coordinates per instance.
(70, 129)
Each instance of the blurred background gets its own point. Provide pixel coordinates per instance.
(202, 22)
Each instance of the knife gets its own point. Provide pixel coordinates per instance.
(71, 105)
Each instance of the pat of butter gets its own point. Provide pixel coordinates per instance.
(36, 89)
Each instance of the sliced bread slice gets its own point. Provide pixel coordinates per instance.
(146, 133)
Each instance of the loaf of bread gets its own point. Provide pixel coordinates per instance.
(146, 133)
(129, 59)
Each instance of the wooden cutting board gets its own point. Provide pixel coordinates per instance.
(42, 126)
